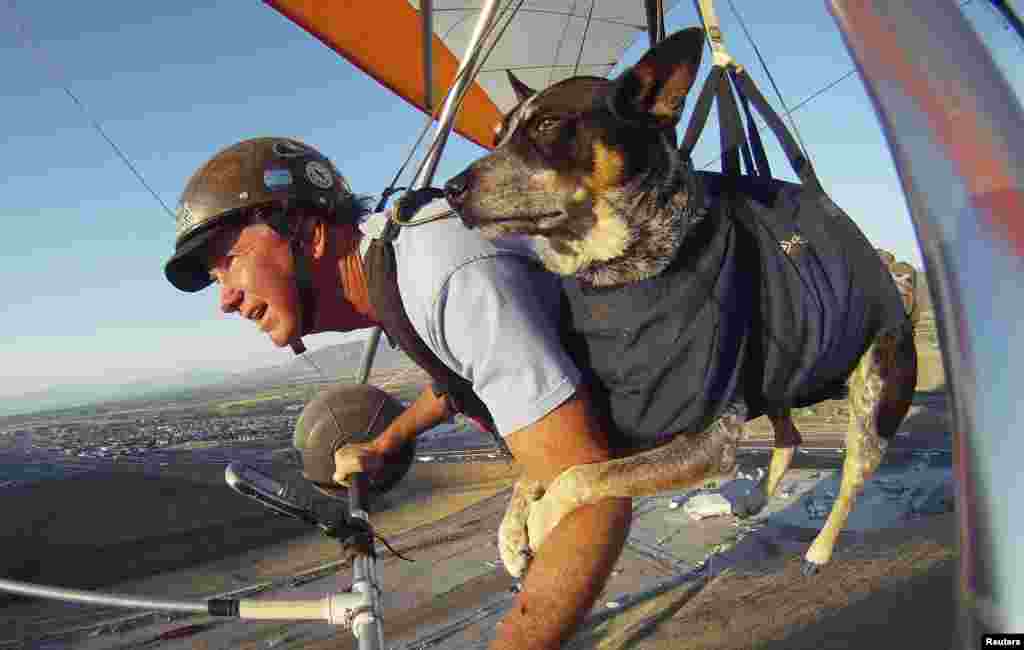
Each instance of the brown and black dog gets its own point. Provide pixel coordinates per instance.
(589, 168)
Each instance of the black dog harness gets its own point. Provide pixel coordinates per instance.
(770, 303)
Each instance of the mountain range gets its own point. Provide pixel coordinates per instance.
(334, 362)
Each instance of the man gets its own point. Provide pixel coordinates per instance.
(272, 222)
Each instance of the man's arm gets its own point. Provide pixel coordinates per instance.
(429, 410)
(571, 567)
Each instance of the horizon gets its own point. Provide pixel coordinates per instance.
(86, 301)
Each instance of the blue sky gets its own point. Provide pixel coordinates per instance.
(84, 298)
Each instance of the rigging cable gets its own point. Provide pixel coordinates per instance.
(810, 97)
(561, 39)
(771, 80)
(432, 116)
(583, 41)
(21, 28)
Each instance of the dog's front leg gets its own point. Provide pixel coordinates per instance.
(688, 461)
(513, 537)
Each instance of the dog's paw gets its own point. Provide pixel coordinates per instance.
(567, 492)
(808, 568)
(751, 503)
(513, 538)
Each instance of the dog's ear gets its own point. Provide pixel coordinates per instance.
(653, 90)
(523, 92)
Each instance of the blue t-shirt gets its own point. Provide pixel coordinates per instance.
(489, 313)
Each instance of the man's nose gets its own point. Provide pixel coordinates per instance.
(230, 299)
(457, 188)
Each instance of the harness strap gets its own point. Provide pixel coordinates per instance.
(762, 168)
(382, 286)
(304, 282)
(701, 110)
(801, 165)
(706, 10)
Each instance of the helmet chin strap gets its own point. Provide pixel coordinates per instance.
(307, 297)
(303, 276)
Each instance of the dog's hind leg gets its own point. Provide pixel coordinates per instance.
(881, 390)
(787, 438)
(687, 461)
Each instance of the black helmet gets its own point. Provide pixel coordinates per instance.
(252, 173)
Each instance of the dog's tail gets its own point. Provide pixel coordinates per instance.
(905, 277)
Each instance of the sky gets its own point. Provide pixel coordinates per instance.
(84, 298)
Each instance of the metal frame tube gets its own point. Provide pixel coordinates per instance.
(366, 625)
(953, 124)
(96, 598)
(445, 121)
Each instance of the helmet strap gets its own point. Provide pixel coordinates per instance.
(304, 285)
(278, 220)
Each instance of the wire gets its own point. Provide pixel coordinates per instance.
(22, 29)
(432, 117)
(771, 79)
(583, 41)
(797, 107)
(561, 39)
(807, 99)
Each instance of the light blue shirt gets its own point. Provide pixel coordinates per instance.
(488, 313)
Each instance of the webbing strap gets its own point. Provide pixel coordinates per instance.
(717, 87)
(801, 165)
(762, 168)
(701, 110)
(706, 10)
(730, 128)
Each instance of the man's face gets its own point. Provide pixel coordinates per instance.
(252, 264)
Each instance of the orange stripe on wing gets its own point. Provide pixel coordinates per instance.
(384, 39)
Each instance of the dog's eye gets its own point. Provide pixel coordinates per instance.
(547, 124)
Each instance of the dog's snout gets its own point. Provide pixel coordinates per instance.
(457, 188)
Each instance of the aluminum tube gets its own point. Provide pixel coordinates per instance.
(369, 351)
(451, 104)
(97, 598)
(425, 174)
(954, 128)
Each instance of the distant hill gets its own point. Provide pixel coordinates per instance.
(340, 361)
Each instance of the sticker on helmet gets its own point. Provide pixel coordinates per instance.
(319, 175)
(185, 218)
(275, 178)
(289, 149)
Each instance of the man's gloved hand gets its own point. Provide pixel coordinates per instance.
(366, 457)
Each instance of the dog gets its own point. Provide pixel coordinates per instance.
(590, 170)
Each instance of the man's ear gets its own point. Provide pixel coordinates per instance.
(522, 91)
(314, 236)
(653, 90)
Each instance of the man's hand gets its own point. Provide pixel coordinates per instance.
(427, 411)
(571, 566)
(357, 457)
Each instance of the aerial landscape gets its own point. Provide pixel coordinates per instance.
(153, 340)
(129, 497)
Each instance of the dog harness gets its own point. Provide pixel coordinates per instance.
(770, 302)
(383, 292)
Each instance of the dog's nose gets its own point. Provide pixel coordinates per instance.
(456, 189)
